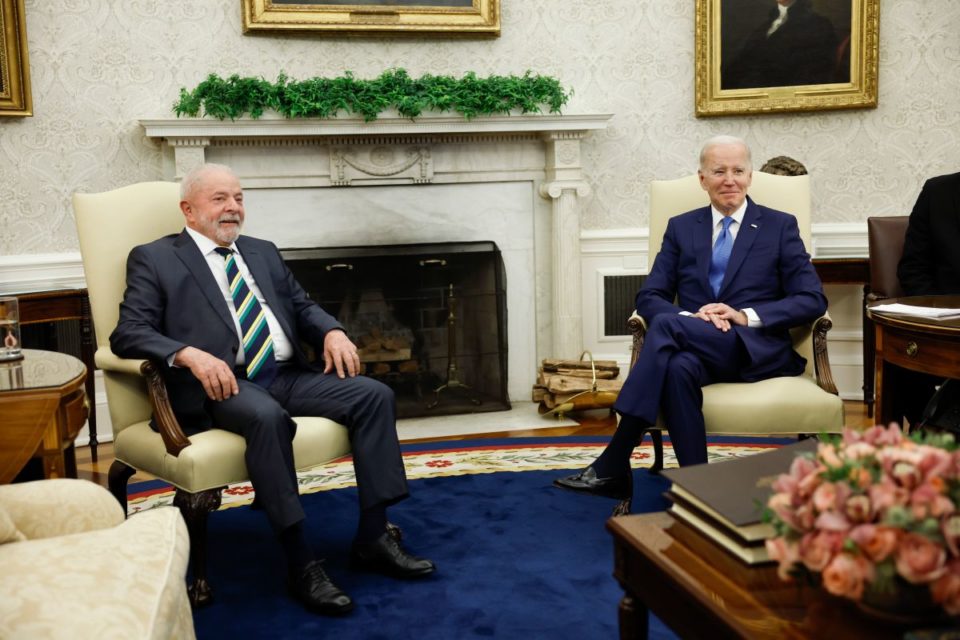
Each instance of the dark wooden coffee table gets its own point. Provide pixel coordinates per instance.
(701, 591)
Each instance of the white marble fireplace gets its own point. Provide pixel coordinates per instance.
(515, 180)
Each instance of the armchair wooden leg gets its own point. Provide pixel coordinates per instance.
(656, 435)
(117, 479)
(195, 507)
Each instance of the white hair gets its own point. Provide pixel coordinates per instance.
(722, 140)
(196, 175)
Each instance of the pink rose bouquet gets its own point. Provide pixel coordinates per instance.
(871, 514)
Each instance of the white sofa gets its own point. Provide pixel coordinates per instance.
(72, 567)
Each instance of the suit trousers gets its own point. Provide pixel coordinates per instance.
(680, 355)
(263, 417)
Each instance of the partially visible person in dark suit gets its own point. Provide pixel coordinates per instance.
(930, 266)
(729, 282)
(226, 317)
(794, 46)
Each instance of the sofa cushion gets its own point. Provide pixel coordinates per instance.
(8, 530)
(125, 581)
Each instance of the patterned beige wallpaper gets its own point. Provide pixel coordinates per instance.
(100, 65)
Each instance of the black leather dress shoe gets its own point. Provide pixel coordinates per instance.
(386, 556)
(314, 589)
(586, 481)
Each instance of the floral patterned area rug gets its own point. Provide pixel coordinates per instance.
(466, 457)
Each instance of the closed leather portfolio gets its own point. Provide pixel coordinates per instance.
(733, 493)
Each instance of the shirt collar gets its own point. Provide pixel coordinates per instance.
(205, 244)
(736, 215)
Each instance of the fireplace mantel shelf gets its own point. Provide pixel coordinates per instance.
(275, 126)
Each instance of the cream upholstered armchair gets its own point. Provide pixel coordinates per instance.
(72, 567)
(109, 225)
(795, 405)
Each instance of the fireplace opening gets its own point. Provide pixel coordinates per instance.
(429, 320)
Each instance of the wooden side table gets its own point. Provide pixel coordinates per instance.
(58, 304)
(43, 407)
(927, 345)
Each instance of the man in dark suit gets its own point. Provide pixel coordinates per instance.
(227, 318)
(930, 266)
(730, 281)
(794, 46)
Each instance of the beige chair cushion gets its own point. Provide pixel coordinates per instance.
(787, 405)
(216, 457)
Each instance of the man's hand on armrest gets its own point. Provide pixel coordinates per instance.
(213, 373)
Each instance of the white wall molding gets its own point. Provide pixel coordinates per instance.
(39, 271)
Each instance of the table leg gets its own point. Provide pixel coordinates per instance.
(634, 619)
(868, 356)
(86, 354)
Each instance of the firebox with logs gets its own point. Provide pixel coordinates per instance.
(429, 320)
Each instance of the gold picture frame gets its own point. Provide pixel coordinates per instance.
(743, 66)
(377, 18)
(15, 98)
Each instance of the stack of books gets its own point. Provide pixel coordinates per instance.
(724, 501)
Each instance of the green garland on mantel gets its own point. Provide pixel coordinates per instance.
(470, 96)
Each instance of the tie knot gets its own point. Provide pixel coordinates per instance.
(726, 222)
(224, 251)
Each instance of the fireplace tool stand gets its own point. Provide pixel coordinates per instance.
(453, 374)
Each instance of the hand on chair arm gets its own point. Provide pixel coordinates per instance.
(214, 374)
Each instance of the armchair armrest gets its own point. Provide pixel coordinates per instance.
(174, 439)
(821, 360)
(637, 327)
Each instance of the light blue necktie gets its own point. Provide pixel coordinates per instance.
(721, 255)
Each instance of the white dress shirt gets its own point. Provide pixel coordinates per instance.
(753, 320)
(282, 349)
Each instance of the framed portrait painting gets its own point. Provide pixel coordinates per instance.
(15, 97)
(375, 17)
(768, 56)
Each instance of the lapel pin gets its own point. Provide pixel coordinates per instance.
(753, 226)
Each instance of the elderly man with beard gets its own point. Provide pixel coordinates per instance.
(227, 318)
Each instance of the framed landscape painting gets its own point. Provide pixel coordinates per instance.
(375, 17)
(15, 97)
(768, 56)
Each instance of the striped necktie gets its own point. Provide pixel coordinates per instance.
(721, 255)
(257, 343)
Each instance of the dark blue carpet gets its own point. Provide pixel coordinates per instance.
(517, 558)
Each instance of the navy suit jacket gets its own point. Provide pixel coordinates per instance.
(172, 301)
(931, 262)
(769, 271)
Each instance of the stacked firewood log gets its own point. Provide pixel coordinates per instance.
(573, 385)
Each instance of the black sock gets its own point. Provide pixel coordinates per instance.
(615, 459)
(373, 523)
(293, 539)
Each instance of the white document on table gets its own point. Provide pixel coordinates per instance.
(919, 312)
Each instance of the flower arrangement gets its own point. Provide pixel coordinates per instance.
(874, 517)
